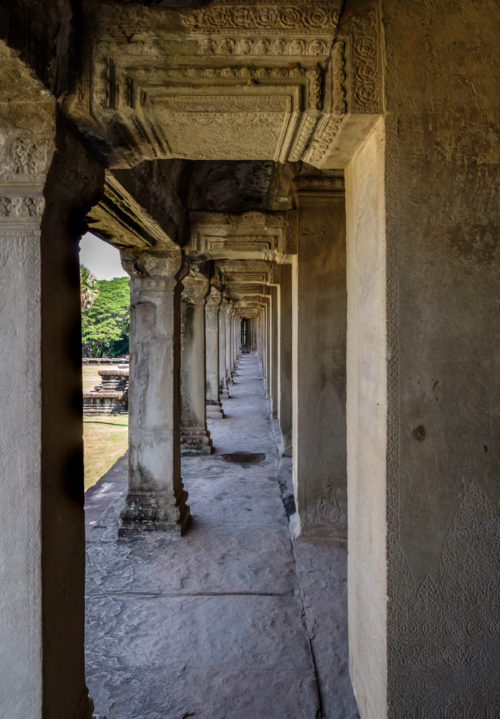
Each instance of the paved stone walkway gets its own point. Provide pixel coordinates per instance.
(232, 621)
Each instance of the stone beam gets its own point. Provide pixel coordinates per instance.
(120, 220)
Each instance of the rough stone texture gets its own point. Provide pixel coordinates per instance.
(319, 297)
(443, 270)
(212, 625)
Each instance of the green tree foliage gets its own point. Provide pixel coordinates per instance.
(106, 323)
(88, 288)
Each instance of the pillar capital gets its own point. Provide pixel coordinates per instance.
(153, 268)
(214, 297)
(194, 288)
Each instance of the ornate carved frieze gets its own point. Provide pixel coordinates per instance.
(305, 17)
(263, 47)
(328, 128)
(364, 73)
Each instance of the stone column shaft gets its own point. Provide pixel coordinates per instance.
(195, 438)
(285, 358)
(156, 497)
(213, 301)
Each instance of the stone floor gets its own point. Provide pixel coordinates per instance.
(232, 621)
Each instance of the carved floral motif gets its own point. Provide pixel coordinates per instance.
(364, 73)
(306, 18)
(21, 206)
(26, 156)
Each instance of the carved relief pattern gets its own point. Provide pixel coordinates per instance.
(339, 77)
(365, 76)
(328, 128)
(264, 17)
(25, 156)
(313, 76)
(303, 138)
(270, 47)
(442, 635)
(21, 206)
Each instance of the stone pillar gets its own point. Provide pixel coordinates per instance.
(229, 339)
(319, 315)
(223, 386)
(156, 498)
(268, 339)
(43, 199)
(213, 301)
(285, 358)
(195, 438)
(275, 349)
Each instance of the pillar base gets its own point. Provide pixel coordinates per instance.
(224, 392)
(155, 511)
(215, 411)
(195, 440)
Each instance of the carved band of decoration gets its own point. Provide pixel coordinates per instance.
(21, 207)
(339, 77)
(16, 245)
(313, 76)
(363, 30)
(28, 157)
(327, 130)
(270, 47)
(302, 138)
(305, 18)
(154, 270)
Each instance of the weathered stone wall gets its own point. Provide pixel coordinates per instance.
(366, 424)
(442, 194)
(437, 521)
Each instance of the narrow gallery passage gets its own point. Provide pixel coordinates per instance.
(232, 621)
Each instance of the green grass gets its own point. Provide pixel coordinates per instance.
(105, 440)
